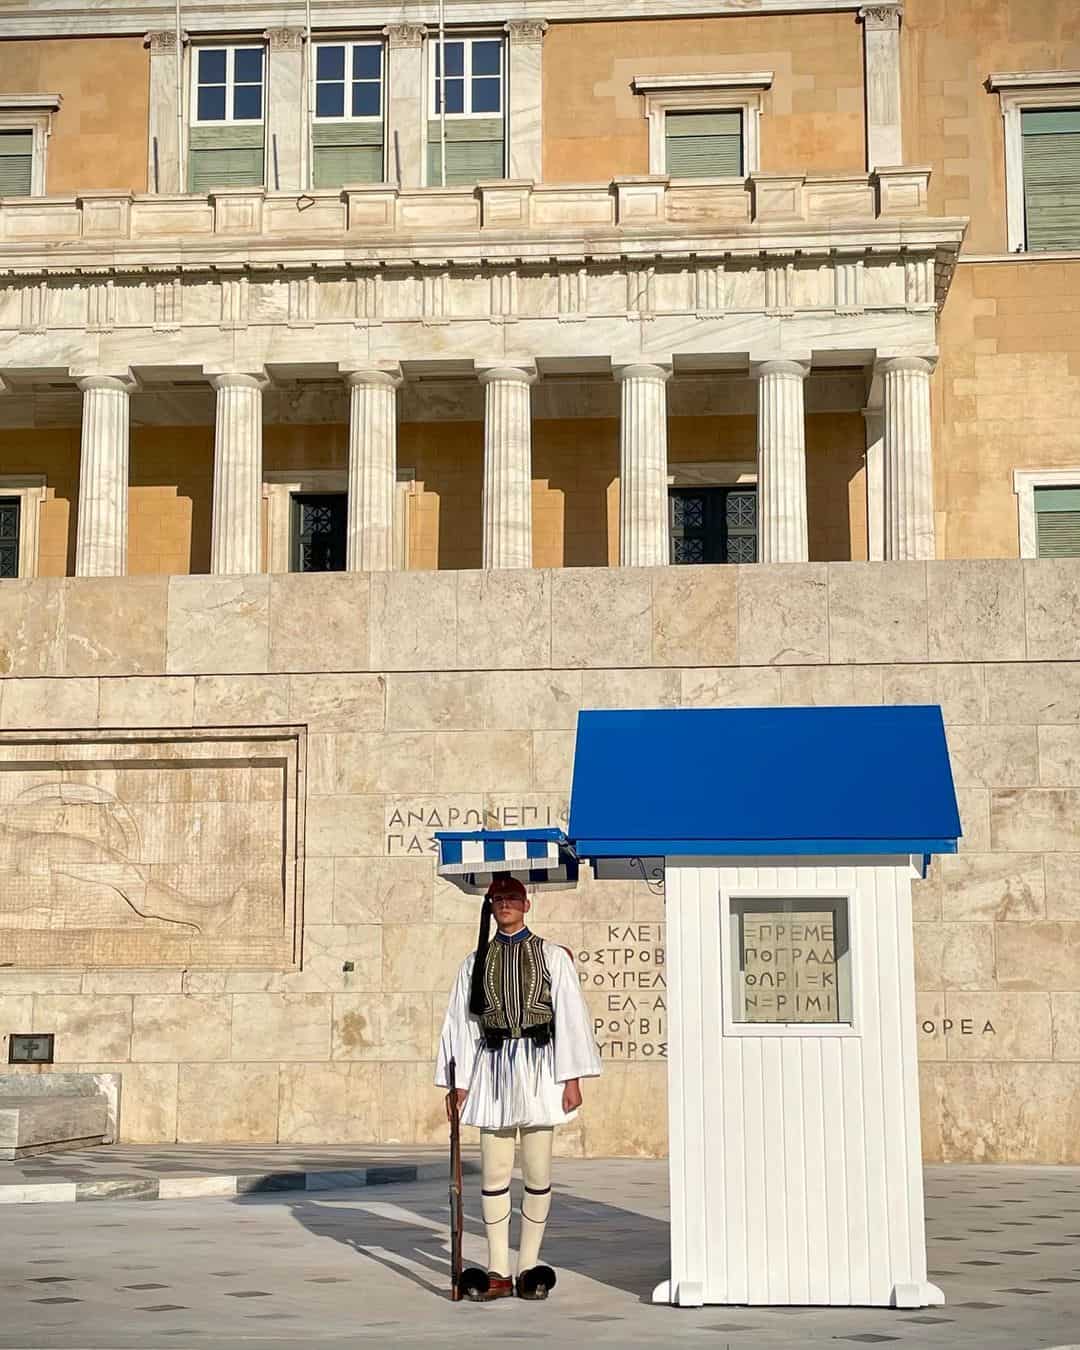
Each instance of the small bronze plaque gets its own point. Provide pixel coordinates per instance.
(32, 1049)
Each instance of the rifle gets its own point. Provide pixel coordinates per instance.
(457, 1215)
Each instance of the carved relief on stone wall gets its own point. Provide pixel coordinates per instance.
(149, 850)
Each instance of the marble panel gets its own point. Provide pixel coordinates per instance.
(1065, 1021)
(338, 702)
(383, 890)
(926, 895)
(280, 1027)
(631, 688)
(992, 886)
(836, 686)
(783, 614)
(624, 1112)
(877, 612)
(1010, 1027)
(339, 957)
(424, 959)
(147, 701)
(345, 827)
(1062, 885)
(930, 1014)
(227, 1103)
(413, 621)
(238, 700)
(1038, 956)
(974, 807)
(218, 625)
(133, 982)
(318, 890)
(976, 610)
(604, 617)
(1048, 819)
(195, 1188)
(41, 703)
(339, 603)
(1052, 607)
(993, 756)
(382, 1026)
(372, 761)
(995, 1112)
(735, 687)
(33, 627)
(16, 1018)
(530, 700)
(115, 625)
(1041, 692)
(329, 1103)
(435, 702)
(960, 690)
(148, 1095)
(954, 956)
(175, 1027)
(1059, 756)
(86, 1027)
(412, 1109)
(553, 760)
(694, 614)
(498, 760)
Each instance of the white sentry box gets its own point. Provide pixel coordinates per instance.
(796, 1170)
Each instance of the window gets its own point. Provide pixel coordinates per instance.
(25, 125)
(791, 960)
(226, 142)
(16, 163)
(713, 524)
(703, 144)
(1048, 503)
(474, 125)
(319, 521)
(1041, 113)
(10, 520)
(347, 133)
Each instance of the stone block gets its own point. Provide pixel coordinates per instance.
(624, 1112)
(974, 806)
(16, 1018)
(993, 756)
(504, 619)
(960, 691)
(383, 890)
(930, 1014)
(329, 948)
(435, 702)
(48, 1123)
(147, 701)
(734, 687)
(992, 886)
(115, 625)
(335, 702)
(1045, 693)
(976, 610)
(830, 686)
(1052, 606)
(175, 1027)
(1062, 885)
(40, 704)
(382, 1026)
(531, 700)
(345, 827)
(1059, 756)
(992, 1112)
(414, 621)
(227, 1103)
(329, 1104)
(631, 688)
(318, 890)
(218, 624)
(553, 760)
(87, 1027)
(422, 959)
(601, 617)
(1007, 1027)
(319, 621)
(148, 1105)
(877, 612)
(1065, 1021)
(926, 895)
(33, 627)
(783, 614)
(1027, 819)
(241, 700)
(694, 616)
(281, 1027)
(412, 1107)
(954, 956)
(1039, 956)
(496, 760)
(369, 761)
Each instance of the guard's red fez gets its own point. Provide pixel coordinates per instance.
(502, 884)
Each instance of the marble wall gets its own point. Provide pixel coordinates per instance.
(420, 700)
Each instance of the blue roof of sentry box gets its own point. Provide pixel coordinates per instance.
(762, 781)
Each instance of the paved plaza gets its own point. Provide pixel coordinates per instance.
(369, 1267)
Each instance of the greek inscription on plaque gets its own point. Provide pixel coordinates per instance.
(623, 971)
(789, 966)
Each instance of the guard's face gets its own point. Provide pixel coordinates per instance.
(508, 907)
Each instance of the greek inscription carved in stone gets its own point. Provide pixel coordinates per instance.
(625, 985)
(789, 967)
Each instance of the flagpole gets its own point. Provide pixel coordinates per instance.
(181, 166)
(442, 92)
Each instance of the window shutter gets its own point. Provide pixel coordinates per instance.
(16, 163)
(1057, 518)
(703, 144)
(229, 156)
(347, 152)
(474, 151)
(1052, 178)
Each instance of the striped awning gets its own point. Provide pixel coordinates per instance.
(471, 859)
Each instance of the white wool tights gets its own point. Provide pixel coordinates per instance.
(496, 1166)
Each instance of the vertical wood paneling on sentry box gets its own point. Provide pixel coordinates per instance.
(796, 1172)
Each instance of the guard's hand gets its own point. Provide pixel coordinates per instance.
(571, 1095)
(461, 1094)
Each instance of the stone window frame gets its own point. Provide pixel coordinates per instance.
(32, 491)
(467, 36)
(33, 113)
(349, 41)
(231, 46)
(1025, 481)
(704, 93)
(280, 485)
(1020, 92)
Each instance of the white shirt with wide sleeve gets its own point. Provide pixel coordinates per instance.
(520, 1084)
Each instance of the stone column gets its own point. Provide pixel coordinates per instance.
(234, 531)
(525, 78)
(286, 110)
(644, 534)
(881, 48)
(164, 149)
(372, 470)
(507, 466)
(909, 482)
(873, 419)
(101, 536)
(781, 456)
(406, 99)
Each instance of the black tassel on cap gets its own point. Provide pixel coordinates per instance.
(476, 989)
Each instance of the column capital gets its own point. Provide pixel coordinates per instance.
(657, 373)
(364, 376)
(506, 372)
(161, 40)
(405, 34)
(921, 365)
(238, 379)
(123, 384)
(284, 39)
(885, 16)
(780, 366)
(526, 30)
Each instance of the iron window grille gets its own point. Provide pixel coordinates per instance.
(713, 524)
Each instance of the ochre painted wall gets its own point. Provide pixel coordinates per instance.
(594, 124)
(99, 135)
(55, 453)
(171, 477)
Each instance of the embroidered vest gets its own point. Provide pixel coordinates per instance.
(517, 992)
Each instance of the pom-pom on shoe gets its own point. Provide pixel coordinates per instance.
(481, 1286)
(536, 1283)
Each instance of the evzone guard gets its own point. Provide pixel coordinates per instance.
(521, 1039)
